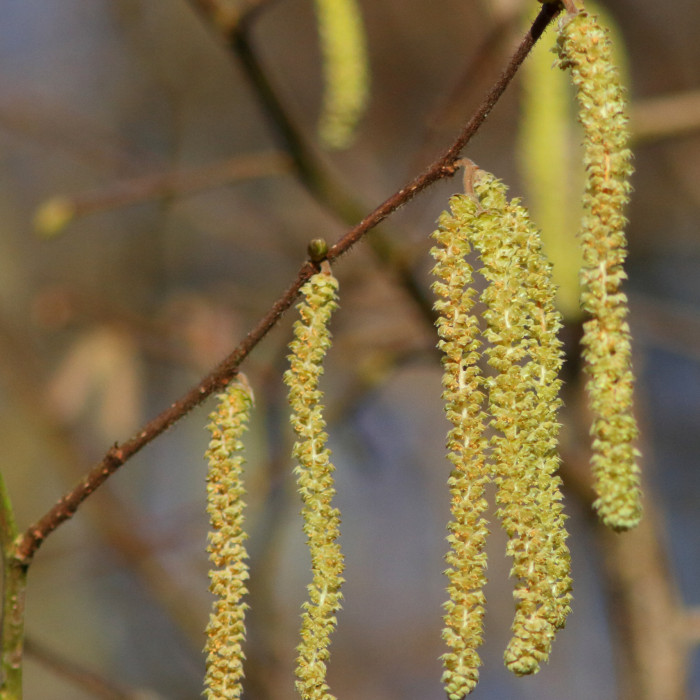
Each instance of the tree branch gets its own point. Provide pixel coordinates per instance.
(444, 166)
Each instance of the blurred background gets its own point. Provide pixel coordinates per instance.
(185, 218)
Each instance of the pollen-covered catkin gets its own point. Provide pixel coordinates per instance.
(526, 353)
(458, 329)
(584, 49)
(314, 473)
(227, 553)
(346, 70)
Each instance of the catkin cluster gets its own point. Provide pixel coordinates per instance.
(504, 426)
(227, 553)
(522, 394)
(520, 406)
(584, 49)
(314, 473)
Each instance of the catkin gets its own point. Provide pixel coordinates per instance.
(458, 330)
(227, 553)
(584, 48)
(346, 70)
(314, 473)
(548, 159)
(525, 351)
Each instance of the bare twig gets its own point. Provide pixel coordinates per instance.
(56, 212)
(78, 675)
(442, 167)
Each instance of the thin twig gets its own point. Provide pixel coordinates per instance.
(93, 683)
(448, 112)
(319, 180)
(117, 455)
(158, 186)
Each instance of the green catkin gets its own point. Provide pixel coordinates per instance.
(315, 482)
(227, 553)
(524, 399)
(346, 70)
(584, 48)
(458, 329)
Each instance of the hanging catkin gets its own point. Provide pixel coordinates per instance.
(227, 553)
(526, 353)
(345, 68)
(314, 473)
(584, 49)
(458, 330)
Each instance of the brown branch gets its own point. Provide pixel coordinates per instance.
(117, 455)
(122, 527)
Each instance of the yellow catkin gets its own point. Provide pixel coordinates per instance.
(346, 70)
(526, 353)
(584, 49)
(548, 156)
(227, 553)
(314, 473)
(458, 330)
